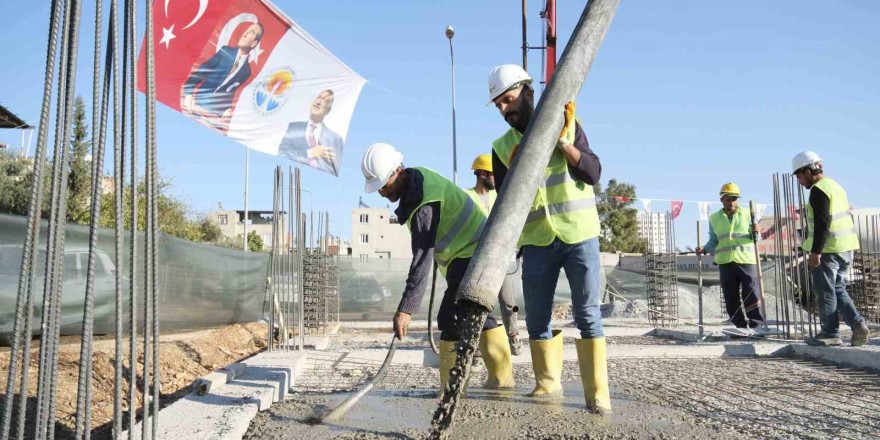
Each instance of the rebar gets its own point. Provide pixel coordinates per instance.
(661, 270)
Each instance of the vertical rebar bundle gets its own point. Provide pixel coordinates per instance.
(794, 307)
(661, 269)
(865, 276)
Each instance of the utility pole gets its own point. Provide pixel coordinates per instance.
(449, 34)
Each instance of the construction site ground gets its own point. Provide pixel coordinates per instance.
(661, 387)
(184, 356)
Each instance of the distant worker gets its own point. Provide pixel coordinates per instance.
(561, 232)
(484, 194)
(731, 240)
(831, 240)
(445, 225)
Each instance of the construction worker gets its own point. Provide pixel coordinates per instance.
(445, 224)
(731, 240)
(483, 193)
(831, 240)
(561, 232)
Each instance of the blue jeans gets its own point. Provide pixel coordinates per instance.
(829, 286)
(541, 265)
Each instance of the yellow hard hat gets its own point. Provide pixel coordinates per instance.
(729, 189)
(483, 162)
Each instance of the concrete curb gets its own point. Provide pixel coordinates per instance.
(866, 358)
(233, 395)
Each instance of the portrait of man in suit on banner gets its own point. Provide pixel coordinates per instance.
(209, 91)
(312, 142)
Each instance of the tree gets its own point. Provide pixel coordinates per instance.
(173, 215)
(16, 175)
(619, 219)
(255, 242)
(79, 182)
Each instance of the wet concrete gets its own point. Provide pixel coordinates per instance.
(484, 414)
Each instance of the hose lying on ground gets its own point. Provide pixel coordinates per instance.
(346, 405)
(431, 312)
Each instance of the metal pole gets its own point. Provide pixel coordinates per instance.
(247, 175)
(760, 293)
(449, 34)
(699, 283)
(525, 40)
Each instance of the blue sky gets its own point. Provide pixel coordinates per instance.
(683, 96)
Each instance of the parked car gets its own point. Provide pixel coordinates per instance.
(76, 261)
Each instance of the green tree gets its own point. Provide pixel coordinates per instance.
(16, 175)
(255, 242)
(173, 215)
(619, 219)
(79, 182)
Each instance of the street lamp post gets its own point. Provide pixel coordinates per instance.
(449, 34)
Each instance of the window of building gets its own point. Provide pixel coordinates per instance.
(223, 219)
(365, 238)
(365, 218)
(364, 256)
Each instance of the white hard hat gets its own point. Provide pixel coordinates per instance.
(804, 159)
(504, 77)
(378, 164)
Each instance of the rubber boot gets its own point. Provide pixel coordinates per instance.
(447, 361)
(547, 365)
(498, 359)
(594, 374)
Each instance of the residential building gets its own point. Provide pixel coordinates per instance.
(376, 234)
(231, 224)
(652, 228)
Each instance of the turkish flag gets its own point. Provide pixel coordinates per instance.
(675, 206)
(247, 71)
(621, 199)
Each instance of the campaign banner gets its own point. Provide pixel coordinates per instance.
(247, 71)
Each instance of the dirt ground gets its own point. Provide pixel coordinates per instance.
(183, 358)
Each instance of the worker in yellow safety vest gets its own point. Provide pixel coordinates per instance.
(732, 241)
(561, 232)
(445, 226)
(483, 193)
(831, 240)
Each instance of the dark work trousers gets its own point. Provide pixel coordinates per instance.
(739, 283)
(449, 315)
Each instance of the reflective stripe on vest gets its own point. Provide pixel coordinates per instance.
(842, 234)
(461, 221)
(563, 207)
(735, 242)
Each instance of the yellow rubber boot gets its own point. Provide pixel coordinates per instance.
(447, 361)
(547, 365)
(594, 374)
(496, 355)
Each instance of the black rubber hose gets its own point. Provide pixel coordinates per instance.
(431, 313)
(346, 405)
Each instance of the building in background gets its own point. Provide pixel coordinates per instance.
(652, 229)
(375, 233)
(231, 223)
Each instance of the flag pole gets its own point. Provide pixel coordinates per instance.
(247, 173)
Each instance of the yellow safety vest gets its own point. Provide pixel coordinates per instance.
(563, 207)
(842, 235)
(490, 197)
(461, 220)
(735, 242)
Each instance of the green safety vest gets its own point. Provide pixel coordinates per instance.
(842, 235)
(735, 241)
(563, 207)
(461, 221)
(489, 197)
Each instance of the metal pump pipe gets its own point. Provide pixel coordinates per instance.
(486, 272)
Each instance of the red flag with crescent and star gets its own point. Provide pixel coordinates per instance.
(249, 72)
(676, 206)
